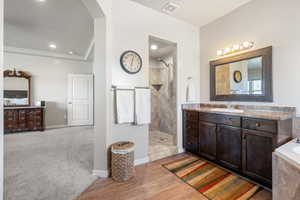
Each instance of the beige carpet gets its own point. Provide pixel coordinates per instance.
(51, 165)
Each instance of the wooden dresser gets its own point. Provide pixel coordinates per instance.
(20, 119)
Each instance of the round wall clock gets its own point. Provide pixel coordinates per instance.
(131, 62)
(237, 76)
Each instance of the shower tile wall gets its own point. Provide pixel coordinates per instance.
(163, 101)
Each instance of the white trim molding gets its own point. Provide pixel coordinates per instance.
(57, 126)
(89, 49)
(33, 52)
(141, 161)
(101, 173)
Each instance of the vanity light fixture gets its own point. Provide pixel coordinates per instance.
(236, 48)
(52, 46)
(154, 47)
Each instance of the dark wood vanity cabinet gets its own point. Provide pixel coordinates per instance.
(191, 128)
(207, 140)
(257, 155)
(241, 144)
(229, 140)
(23, 119)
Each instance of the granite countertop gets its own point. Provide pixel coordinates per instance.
(23, 107)
(263, 113)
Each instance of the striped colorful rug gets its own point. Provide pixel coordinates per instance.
(213, 182)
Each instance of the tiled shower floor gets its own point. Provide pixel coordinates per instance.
(161, 145)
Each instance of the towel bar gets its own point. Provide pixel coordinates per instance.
(113, 88)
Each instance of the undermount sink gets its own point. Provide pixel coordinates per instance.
(296, 150)
(227, 110)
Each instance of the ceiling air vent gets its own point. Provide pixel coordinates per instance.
(170, 7)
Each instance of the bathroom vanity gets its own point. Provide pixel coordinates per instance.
(240, 139)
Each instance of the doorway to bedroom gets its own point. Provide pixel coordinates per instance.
(48, 98)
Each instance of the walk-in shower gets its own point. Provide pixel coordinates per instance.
(162, 76)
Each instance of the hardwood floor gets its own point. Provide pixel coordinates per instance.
(151, 182)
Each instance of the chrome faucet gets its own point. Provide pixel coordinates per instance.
(298, 140)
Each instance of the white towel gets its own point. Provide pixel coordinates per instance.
(190, 92)
(142, 106)
(124, 106)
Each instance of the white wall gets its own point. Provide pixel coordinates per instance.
(49, 81)
(132, 24)
(266, 22)
(1, 101)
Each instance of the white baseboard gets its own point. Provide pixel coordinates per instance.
(57, 126)
(141, 161)
(105, 174)
(100, 173)
(180, 150)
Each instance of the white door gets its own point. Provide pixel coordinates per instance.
(80, 100)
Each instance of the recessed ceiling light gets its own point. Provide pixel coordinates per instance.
(154, 47)
(40, 0)
(71, 52)
(52, 46)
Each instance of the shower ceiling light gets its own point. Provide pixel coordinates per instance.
(154, 47)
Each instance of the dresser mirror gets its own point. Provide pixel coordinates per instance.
(243, 77)
(16, 88)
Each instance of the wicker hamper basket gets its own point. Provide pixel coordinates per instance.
(122, 161)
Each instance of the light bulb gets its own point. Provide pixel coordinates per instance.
(219, 52)
(236, 47)
(154, 47)
(246, 44)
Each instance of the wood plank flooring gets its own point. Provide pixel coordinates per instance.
(151, 182)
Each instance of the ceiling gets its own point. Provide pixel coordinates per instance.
(31, 24)
(164, 48)
(197, 12)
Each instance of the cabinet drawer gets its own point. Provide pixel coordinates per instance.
(192, 115)
(220, 119)
(192, 125)
(208, 117)
(260, 125)
(229, 120)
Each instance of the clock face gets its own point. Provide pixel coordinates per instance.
(131, 62)
(237, 76)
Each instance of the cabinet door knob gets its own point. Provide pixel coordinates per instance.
(257, 124)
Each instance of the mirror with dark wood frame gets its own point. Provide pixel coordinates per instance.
(243, 77)
(16, 88)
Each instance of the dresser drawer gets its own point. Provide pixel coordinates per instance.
(260, 125)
